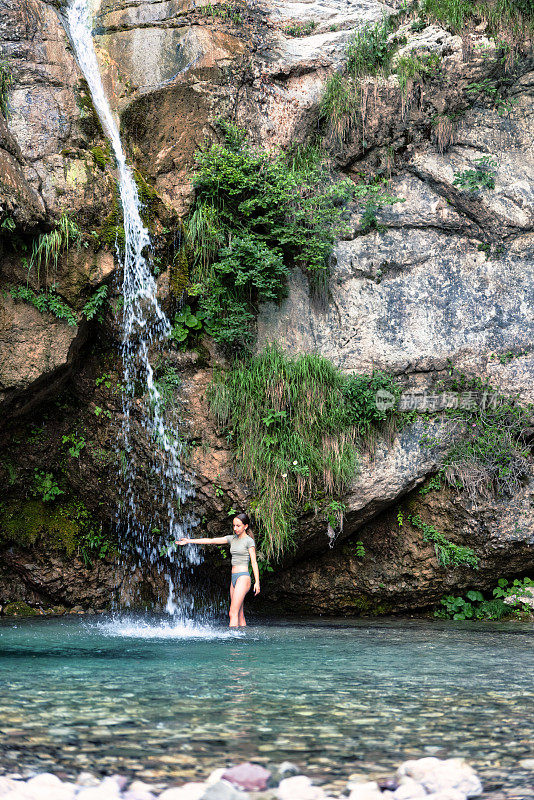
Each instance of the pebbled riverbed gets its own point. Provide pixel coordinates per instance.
(145, 697)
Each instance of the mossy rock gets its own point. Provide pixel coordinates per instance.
(101, 157)
(365, 605)
(61, 524)
(19, 609)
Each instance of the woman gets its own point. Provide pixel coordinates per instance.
(243, 549)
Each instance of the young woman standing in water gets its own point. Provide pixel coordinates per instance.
(243, 550)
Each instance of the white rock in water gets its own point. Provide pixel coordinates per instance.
(97, 793)
(299, 787)
(446, 794)
(437, 776)
(216, 775)
(189, 791)
(87, 779)
(7, 785)
(223, 790)
(13, 795)
(42, 782)
(141, 786)
(527, 763)
(366, 791)
(408, 789)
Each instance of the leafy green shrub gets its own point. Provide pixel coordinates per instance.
(76, 444)
(256, 215)
(359, 394)
(168, 380)
(449, 555)
(45, 486)
(482, 177)
(491, 457)
(188, 325)
(293, 423)
(94, 305)
(475, 606)
(45, 301)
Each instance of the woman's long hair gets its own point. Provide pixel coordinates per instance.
(244, 518)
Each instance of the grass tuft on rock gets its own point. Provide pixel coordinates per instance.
(294, 423)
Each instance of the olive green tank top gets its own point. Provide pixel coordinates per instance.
(239, 549)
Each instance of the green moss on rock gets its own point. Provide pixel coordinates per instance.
(19, 609)
(362, 604)
(62, 525)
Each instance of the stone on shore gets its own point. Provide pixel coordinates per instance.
(189, 791)
(299, 787)
(366, 791)
(222, 790)
(409, 789)
(437, 776)
(248, 776)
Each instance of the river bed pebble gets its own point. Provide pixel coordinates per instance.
(429, 778)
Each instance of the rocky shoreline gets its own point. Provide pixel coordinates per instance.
(429, 778)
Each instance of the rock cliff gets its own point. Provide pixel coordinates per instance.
(441, 279)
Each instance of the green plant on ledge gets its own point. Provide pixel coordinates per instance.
(294, 424)
(492, 456)
(482, 177)
(45, 301)
(45, 486)
(48, 247)
(475, 606)
(75, 444)
(449, 555)
(257, 214)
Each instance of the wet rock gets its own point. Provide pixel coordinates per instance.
(189, 791)
(365, 791)
(299, 787)
(222, 790)
(437, 776)
(141, 786)
(87, 779)
(248, 776)
(19, 610)
(408, 789)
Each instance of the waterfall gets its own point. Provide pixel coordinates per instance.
(144, 324)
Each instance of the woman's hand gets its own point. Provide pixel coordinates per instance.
(181, 541)
(257, 587)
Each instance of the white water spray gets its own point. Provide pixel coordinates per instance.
(144, 324)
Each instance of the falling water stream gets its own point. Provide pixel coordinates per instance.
(144, 325)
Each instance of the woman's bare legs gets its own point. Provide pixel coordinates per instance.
(237, 598)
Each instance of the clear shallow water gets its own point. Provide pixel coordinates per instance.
(164, 702)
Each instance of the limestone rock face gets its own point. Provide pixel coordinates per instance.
(50, 118)
(431, 287)
(445, 276)
(33, 348)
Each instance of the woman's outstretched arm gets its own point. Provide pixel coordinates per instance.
(217, 540)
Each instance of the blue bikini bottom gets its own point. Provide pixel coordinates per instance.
(236, 575)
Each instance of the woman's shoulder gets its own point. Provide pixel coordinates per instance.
(251, 542)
